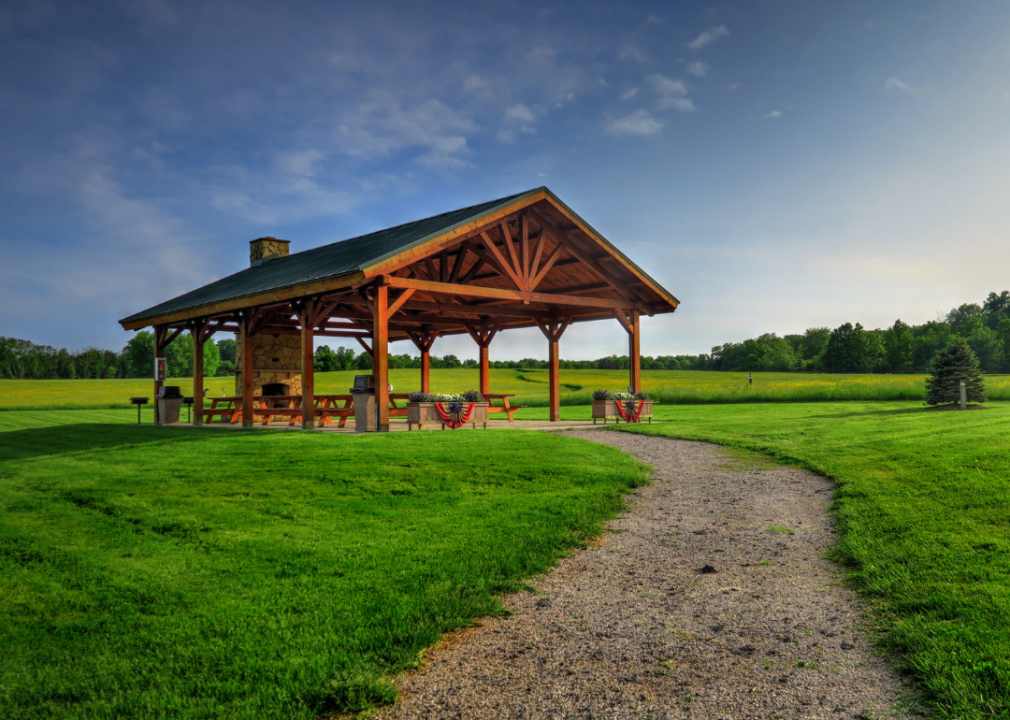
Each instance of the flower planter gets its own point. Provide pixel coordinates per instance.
(419, 413)
(605, 409)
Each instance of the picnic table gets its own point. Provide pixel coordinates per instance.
(505, 407)
(229, 409)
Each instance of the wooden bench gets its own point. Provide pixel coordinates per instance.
(505, 407)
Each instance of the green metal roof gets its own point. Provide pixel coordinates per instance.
(336, 259)
(328, 261)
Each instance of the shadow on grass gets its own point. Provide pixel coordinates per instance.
(66, 439)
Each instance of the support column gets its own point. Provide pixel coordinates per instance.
(553, 365)
(634, 352)
(196, 330)
(423, 341)
(485, 371)
(380, 356)
(306, 317)
(247, 366)
(160, 332)
(553, 329)
(483, 334)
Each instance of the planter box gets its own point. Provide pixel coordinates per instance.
(608, 409)
(419, 413)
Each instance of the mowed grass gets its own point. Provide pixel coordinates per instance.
(924, 511)
(529, 386)
(174, 573)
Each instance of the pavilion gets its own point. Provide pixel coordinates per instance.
(526, 260)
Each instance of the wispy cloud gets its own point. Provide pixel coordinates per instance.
(708, 37)
(630, 94)
(698, 69)
(671, 93)
(632, 53)
(639, 122)
(519, 113)
(896, 84)
(772, 114)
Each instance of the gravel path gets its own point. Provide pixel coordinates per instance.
(709, 598)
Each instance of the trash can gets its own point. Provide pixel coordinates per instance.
(169, 402)
(363, 393)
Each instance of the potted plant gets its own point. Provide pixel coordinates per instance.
(630, 407)
(453, 411)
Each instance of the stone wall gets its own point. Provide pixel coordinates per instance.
(276, 359)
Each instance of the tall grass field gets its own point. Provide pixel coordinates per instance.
(530, 387)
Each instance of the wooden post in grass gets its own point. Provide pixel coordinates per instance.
(553, 329)
(159, 352)
(964, 396)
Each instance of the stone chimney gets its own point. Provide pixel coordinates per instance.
(265, 249)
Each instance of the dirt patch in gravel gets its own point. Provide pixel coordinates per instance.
(709, 598)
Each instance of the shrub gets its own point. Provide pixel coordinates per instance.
(641, 396)
(951, 366)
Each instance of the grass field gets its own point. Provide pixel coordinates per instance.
(173, 573)
(924, 510)
(529, 386)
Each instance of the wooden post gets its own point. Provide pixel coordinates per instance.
(159, 351)
(380, 356)
(423, 341)
(483, 334)
(553, 330)
(196, 332)
(247, 366)
(634, 352)
(485, 370)
(554, 368)
(306, 316)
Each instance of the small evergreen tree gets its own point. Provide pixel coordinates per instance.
(951, 365)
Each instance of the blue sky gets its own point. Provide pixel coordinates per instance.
(776, 165)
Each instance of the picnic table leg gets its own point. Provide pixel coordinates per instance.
(508, 409)
(343, 418)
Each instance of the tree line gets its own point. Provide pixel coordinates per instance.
(849, 348)
(901, 348)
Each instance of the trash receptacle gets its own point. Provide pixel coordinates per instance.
(169, 401)
(363, 393)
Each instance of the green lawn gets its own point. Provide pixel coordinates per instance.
(173, 573)
(924, 510)
(529, 386)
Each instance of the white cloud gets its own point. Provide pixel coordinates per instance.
(708, 37)
(299, 162)
(896, 84)
(519, 113)
(630, 94)
(506, 137)
(698, 69)
(671, 93)
(772, 114)
(732, 86)
(639, 122)
(632, 53)
(381, 125)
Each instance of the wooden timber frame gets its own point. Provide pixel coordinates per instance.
(527, 261)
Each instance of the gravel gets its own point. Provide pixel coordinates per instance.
(709, 598)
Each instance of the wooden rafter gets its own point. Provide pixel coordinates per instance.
(504, 294)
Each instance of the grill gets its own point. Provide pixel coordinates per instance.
(138, 401)
(273, 389)
(363, 384)
(169, 392)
